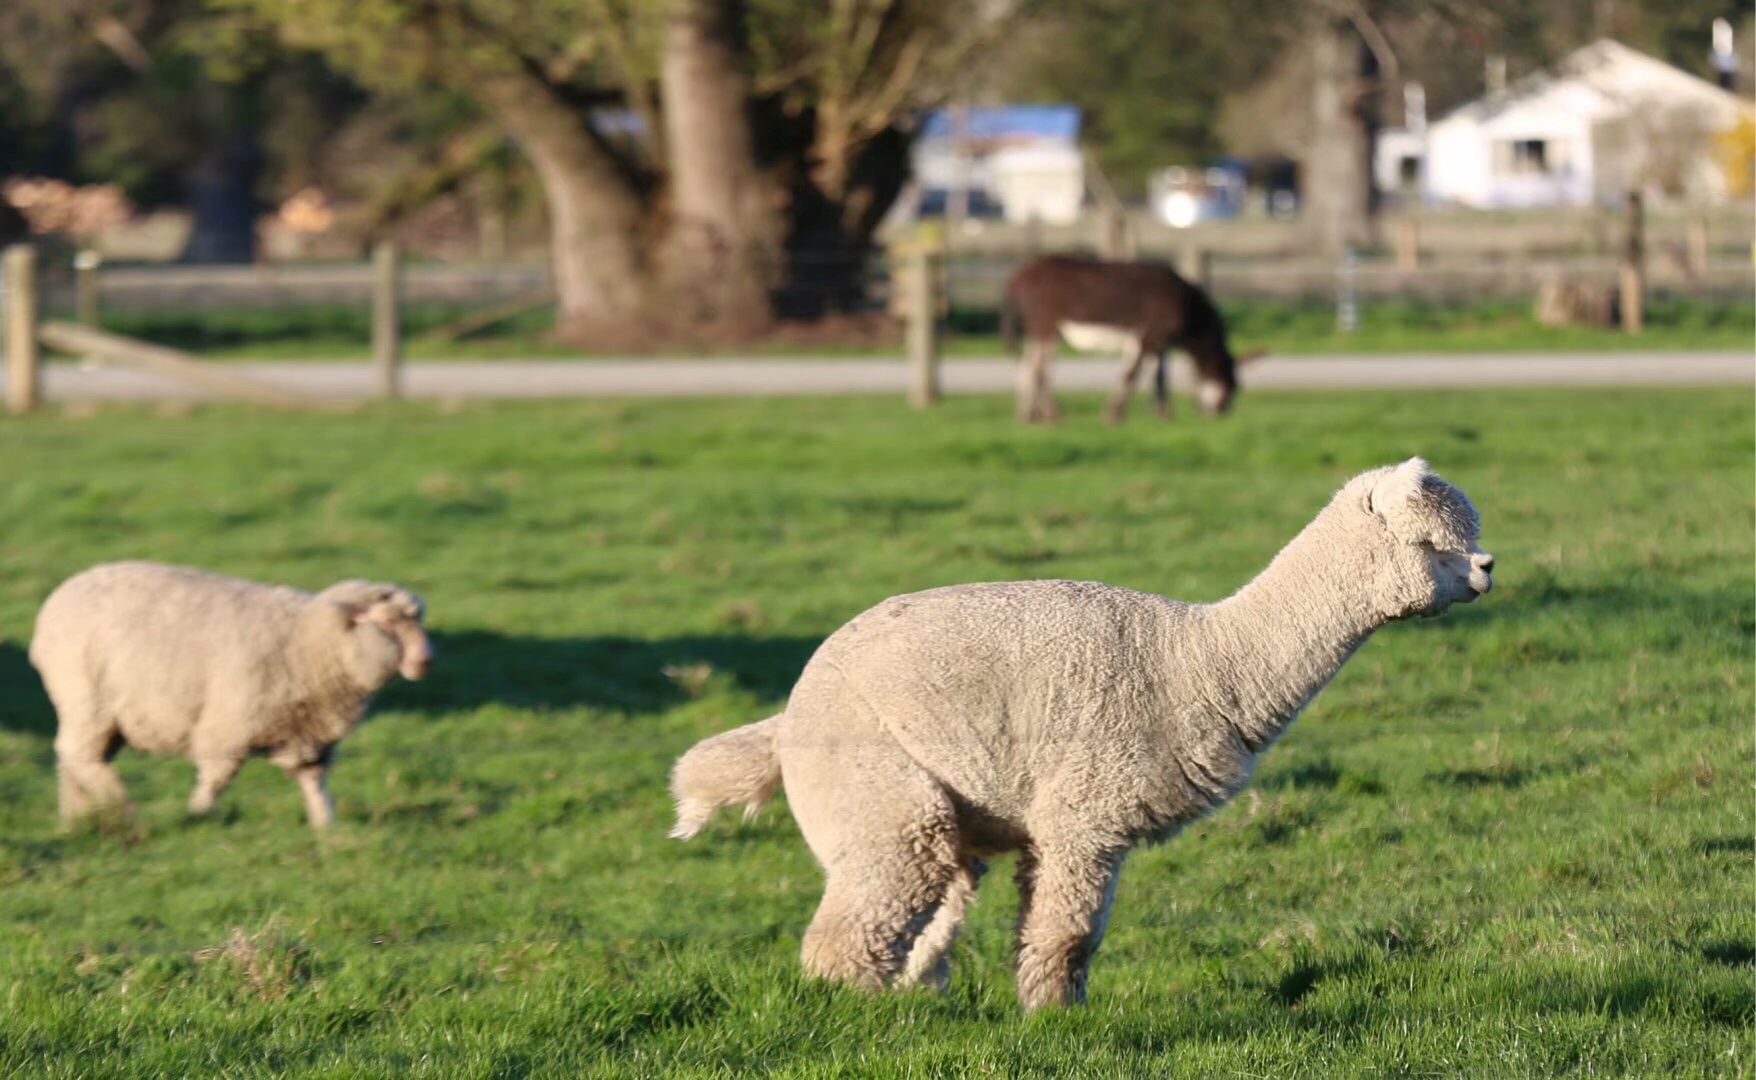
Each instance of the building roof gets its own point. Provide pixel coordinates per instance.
(1603, 77)
(1007, 123)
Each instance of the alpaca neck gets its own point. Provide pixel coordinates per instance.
(1279, 639)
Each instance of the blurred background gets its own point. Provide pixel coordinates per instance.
(613, 176)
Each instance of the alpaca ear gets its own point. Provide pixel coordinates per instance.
(1398, 487)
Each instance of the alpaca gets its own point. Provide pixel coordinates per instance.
(179, 661)
(1066, 720)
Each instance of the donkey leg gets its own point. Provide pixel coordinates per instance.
(1025, 407)
(1161, 385)
(1117, 411)
(1045, 408)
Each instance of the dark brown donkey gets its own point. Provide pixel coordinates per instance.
(1139, 309)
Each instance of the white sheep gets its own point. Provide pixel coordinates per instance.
(172, 660)
(1066, 720)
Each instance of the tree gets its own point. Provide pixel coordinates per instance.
(1150, 79)
(166, 98)
(693, 154)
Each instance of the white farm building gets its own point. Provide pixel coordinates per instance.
(1606, 121)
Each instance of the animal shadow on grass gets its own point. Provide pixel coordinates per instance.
(472, 668)
(24, 707)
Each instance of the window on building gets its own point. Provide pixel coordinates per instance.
(1529, 157)
(1408, 172)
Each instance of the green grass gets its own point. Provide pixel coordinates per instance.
(1517, 840)
(1283, 327)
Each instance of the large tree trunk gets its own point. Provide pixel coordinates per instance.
(723, 248)
(221, 186)
(596, 210)
(1337, 181)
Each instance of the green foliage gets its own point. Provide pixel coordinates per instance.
(1151, 77)
(1516, 840)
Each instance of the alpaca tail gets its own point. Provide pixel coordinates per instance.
(737, 766)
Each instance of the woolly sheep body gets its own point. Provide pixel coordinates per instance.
(172, 660)
(1066, 720)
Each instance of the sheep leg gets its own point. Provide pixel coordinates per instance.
(88, 783)
(928, 963)
(1117, 411)
(212, 774)
(1063, 923)
(313, 782)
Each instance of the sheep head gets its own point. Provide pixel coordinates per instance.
(381, 630)
(1424, 533)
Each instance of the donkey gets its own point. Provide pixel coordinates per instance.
(1136, 308)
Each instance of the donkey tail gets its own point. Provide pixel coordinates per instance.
(737, 766)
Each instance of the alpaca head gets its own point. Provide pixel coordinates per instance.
(380, 630)
(1422, 532)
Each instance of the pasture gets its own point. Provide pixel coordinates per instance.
(1514, 840)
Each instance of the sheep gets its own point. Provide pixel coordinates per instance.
(1065, 720)
(172, 660)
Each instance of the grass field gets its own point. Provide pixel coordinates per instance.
(337, 332)
(1515, 840)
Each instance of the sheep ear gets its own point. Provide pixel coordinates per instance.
(351, 614)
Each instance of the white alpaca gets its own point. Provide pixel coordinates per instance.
(1066, 720)
(178, 661)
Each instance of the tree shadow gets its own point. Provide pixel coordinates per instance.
(472, 668)
(24, 706)
(476, 667)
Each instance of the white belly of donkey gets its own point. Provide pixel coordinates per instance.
(1100, 337)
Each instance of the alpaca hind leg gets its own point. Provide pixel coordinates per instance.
(929, 962)
(887, 837)
(1062, 922)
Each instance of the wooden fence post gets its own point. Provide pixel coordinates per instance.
(1204, 269)
(923, 329)
(386, 319)
(23, 369)
(1113, 237)
(85, 286)
(1696, 241)
(1408, 245)
(1633, 273)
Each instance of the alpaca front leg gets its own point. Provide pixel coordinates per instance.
(212, 775)
(1063, 913)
